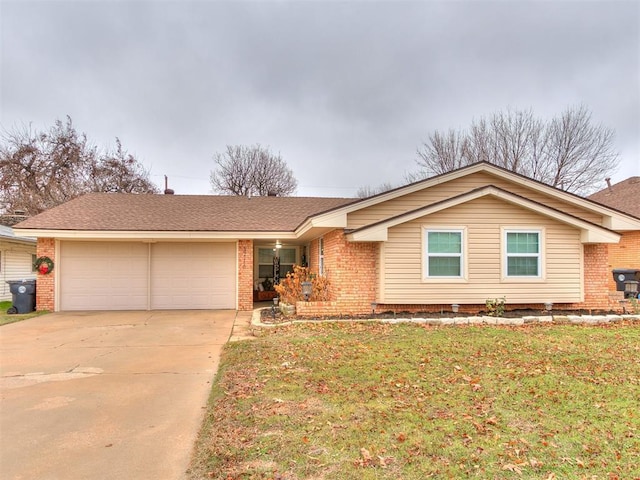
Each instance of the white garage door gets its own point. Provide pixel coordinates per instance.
(118, 276)
(193, 275)
(103, 276)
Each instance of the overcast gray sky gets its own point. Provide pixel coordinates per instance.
(344, 91)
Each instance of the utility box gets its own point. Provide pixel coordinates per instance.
(23, 294)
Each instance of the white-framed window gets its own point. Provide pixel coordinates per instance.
(444, 253)
(320, 256)
(265, 262)
(522, 253)
(287, 260)
(265, 255)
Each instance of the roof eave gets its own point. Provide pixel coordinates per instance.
(612, 219)
(590, 233)
(157, 235)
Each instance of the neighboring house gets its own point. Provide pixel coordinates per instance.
(625, 197)
(477, 233)
(17, 255)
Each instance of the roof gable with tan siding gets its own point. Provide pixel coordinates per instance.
(483, 220)
(455, 187)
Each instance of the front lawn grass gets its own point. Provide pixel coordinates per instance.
(5, 318)
(378, 401)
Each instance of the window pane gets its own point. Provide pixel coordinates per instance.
(287, 255)
(285, 268)
(265, 271)
(521, 242)
(445, 242)
(522, 266)
(444, 266)
(265, 255)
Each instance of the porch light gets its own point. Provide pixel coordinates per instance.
(373, 308)
(278, 245)
(307, 288)
(275, 301)
(548, 306)
(455, 307)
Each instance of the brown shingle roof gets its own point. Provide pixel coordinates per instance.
(623, 196)
(199, 213)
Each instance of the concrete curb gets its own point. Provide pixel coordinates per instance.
(257, 324)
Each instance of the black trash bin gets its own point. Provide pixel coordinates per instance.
(621, 275)
(24, 296)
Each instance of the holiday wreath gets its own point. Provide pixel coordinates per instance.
(44, 265)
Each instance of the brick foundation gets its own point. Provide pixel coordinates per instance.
(45, 284)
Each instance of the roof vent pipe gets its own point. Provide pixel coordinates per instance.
(167, 190)
(608, 180)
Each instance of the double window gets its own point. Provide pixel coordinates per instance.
(522, 253)
(444, 253)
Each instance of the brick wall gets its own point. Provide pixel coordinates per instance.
(245, 275)
(625, 254)
(45, 284)
(313, 256)
(351, 270)
(596, 278)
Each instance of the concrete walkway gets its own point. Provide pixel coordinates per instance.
(117, 395)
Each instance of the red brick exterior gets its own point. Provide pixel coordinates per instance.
(45, 284)
(596, 279)
(351, 270)
(314, 256)
(625, 254)
(245, 275)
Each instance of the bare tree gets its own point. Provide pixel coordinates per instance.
(251, 170)
(369, 191)
(567, 152)
(39, 170)
(119, 171)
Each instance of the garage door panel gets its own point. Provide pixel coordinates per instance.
(103, 276)
(118, 276)
(193, 275)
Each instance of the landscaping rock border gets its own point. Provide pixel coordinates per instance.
(257, 323)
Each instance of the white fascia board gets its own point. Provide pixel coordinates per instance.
(589, 233)
(594, 233)
(621, 223)
(407, 189)
(329, 220)
(154, 235)
(592, 236)
(611, 219)
(370, 235)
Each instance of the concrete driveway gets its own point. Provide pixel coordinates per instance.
(113, 395)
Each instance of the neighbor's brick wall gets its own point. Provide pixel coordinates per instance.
(45, 284)
(245, 275)
(625, 254)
